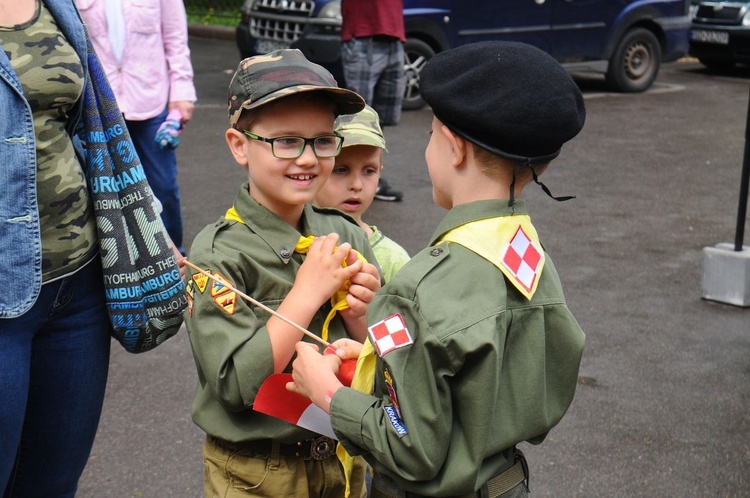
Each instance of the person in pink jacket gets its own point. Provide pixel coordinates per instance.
(143, 46)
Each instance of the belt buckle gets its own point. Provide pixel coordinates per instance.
(322, 448)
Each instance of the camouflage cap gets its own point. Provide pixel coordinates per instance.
(362, 128)
(265, 78)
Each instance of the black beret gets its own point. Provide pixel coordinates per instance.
(511, 98)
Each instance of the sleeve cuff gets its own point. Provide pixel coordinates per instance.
(348, 408)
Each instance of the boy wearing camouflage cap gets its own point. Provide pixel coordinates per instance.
(281, 114)
(352, 185)
(475, 349)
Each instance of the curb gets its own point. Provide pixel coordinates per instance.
(210, 31)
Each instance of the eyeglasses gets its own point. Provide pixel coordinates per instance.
(291, 147)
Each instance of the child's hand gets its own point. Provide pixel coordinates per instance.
(346, 349)
(322, 273)
(180, 260)
(314, 375)
(364, 285)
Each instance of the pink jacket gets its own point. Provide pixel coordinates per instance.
(156, 66)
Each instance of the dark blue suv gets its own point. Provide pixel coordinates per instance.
(624, 39)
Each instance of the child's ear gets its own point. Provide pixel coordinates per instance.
(236, 142)
(458, 146)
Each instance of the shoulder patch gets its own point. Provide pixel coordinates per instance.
(227, 301)
(522, 259)
(218, 288)
(395, 421)
(201, 281)
(390, 334)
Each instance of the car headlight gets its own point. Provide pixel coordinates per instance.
(746, 19)
(331, 10)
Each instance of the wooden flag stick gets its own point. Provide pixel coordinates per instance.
(257, 303)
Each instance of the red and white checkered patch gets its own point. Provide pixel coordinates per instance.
(390, 334)
(522, 258)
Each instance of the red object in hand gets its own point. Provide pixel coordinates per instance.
(346, 369)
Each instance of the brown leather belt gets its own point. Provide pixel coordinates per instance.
(311, 449)
(495, 487)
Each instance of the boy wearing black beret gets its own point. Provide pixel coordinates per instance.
(474, 349)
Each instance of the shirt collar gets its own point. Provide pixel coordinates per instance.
(473, 211)
(280, 236)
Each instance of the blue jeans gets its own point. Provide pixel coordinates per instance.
(54, 361)
(374, 69)
(160, 166)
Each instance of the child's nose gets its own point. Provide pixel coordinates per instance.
(308, 155)
(356, 184)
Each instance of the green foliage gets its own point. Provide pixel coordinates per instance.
(214, 12)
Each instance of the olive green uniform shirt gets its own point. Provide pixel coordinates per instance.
(229, 339)
(487, 368)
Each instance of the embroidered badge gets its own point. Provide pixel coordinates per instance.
(522, 258)
(395, 420)
(391, 390)
(390, 334)
(201, 281)
(218, 288)
(227, 301)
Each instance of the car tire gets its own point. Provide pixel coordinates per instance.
(417, 53)
(635, 62)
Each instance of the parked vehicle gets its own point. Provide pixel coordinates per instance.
(720, 36)
(626, 40)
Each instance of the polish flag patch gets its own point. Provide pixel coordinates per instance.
(523, 259)
(390, 334)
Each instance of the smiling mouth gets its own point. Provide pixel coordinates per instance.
(302, 178)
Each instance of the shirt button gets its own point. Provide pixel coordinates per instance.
(286, 253)
(436, 251)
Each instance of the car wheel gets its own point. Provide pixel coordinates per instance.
(635, 62)
(416, 53)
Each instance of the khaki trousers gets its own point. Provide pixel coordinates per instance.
(236, 473)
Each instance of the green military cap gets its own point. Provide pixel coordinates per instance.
(265, 78)
(362, 128)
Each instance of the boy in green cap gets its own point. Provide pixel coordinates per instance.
(281, 114)
(352, 185)
(474, 347)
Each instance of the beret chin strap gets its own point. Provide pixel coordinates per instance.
(528, 164)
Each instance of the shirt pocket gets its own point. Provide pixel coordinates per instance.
(94, 17)
(144, 17)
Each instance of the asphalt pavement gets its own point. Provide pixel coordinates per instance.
(663, 402)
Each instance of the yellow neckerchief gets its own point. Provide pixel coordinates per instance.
(495, 238)
(364, 377)
(338, 300)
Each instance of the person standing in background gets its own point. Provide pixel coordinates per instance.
(372, 55)
(143, 47)
(54, 327)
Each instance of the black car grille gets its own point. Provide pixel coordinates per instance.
(265, 21)
(719, 12)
